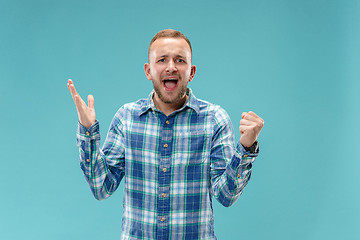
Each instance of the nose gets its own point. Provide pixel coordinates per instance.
(171, 67)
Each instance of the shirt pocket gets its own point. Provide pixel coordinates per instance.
(191, 147)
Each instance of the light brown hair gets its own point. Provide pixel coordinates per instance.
(169, 33)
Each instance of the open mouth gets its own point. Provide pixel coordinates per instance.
(170, 84)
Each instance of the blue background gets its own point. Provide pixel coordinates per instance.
(295, 63)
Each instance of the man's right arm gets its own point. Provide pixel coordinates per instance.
(103, 169)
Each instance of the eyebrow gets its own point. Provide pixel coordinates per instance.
(165, 55)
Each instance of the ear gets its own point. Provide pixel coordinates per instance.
(147, 71)
(192, 73)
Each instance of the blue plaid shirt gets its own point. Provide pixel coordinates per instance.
(172, 166)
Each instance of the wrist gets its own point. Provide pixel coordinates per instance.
(254, 148)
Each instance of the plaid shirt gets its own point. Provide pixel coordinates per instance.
(172, 165)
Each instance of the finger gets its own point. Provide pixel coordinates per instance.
(251, 113)
(71, 87)
(254, 118)
(79, 103)
(69, 82)
(246, 127)
(249, 117)
(252, 124)
(243, 114)
(91, 101)
(245, 122)
(77, 100)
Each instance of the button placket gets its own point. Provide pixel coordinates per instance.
(163, 201)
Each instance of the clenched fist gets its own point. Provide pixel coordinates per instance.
(250, 127)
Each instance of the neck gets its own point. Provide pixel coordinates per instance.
(168, 108)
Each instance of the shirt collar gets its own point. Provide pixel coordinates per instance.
(192, 102)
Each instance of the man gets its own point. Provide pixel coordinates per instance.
(175, 151)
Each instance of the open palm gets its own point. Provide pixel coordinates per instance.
(86, 113)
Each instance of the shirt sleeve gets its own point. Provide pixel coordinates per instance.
(103, 168)
(230, 165)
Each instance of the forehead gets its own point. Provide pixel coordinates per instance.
(170, 46)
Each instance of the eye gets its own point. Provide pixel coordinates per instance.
(180, 60)
(162, 60)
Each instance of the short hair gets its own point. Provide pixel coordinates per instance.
(169, 33)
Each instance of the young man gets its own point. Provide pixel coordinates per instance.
(175, 151)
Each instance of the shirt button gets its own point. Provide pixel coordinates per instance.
(162, 219)
(164, 169)
(163, 195)
(238, 175)
(245, 155)
(167, 122)
(165, 145)
(87, 133)
(88, 160)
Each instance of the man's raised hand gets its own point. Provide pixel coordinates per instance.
(250, 127)
(86, 114)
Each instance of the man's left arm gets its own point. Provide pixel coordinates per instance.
(230, 165)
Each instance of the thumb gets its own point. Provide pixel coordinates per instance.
(243, 114)
(91, 101)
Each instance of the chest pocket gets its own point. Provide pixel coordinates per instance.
(191, 147)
